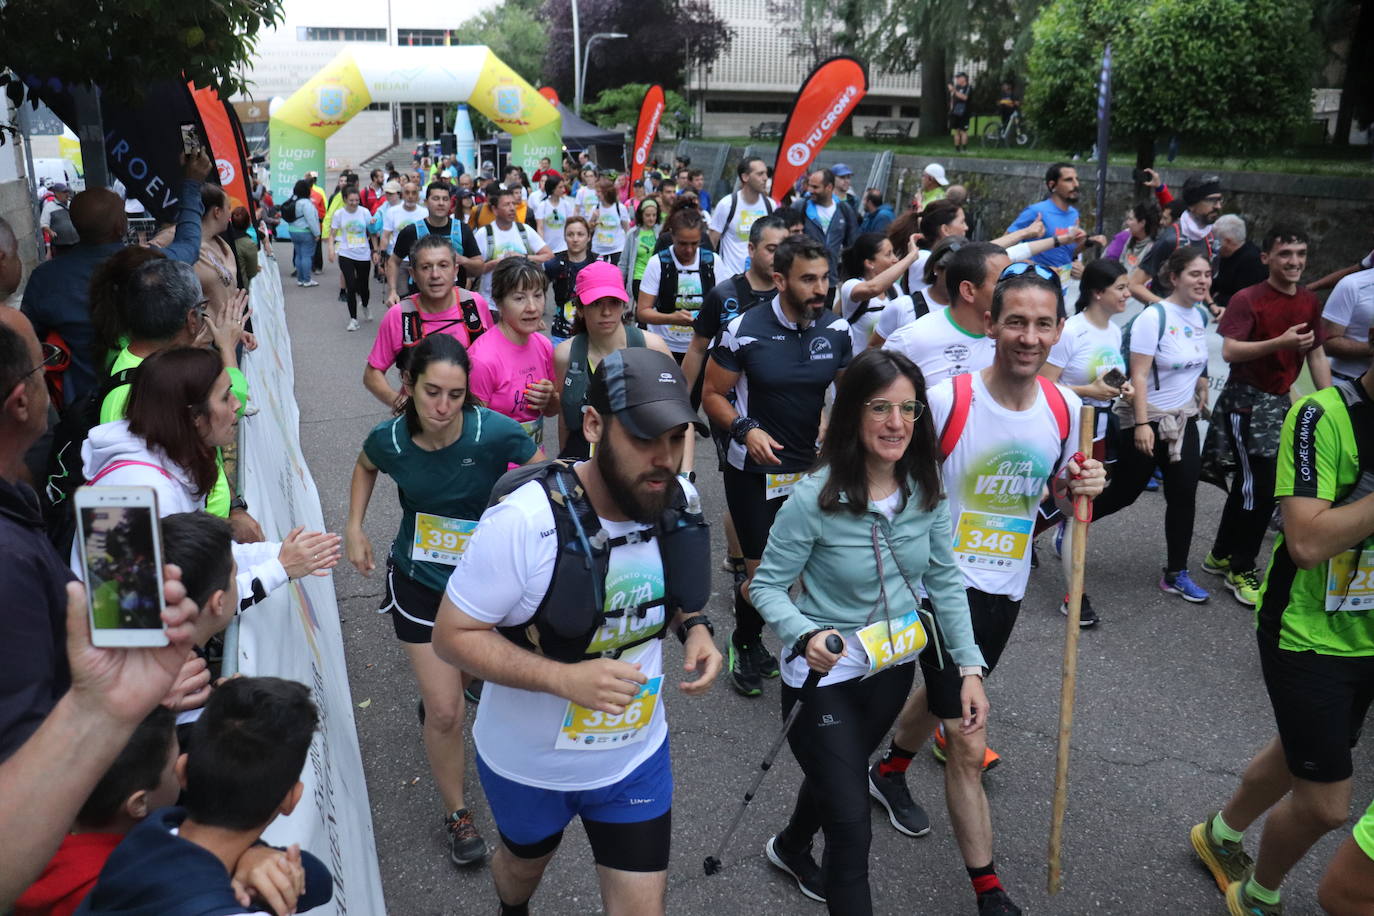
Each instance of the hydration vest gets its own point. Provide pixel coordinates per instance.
(412, 324)
(668, 274)
(579, 377)
(574, 605)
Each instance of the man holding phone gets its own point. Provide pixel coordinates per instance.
(1267, 331)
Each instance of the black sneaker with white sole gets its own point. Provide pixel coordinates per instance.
(800, 866)
(891, 792)
(465, 844)
(1087, 617)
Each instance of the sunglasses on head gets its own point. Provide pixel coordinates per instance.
(1020, 267)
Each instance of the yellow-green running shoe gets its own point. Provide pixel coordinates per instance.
(1239, 903)
(1245, 586)
(1217, 566)
(1227, 861)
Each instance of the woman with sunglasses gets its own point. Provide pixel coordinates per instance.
(861, 533)
(1168, 342)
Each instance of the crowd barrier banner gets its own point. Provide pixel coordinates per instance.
(828, 96)
(295, 632)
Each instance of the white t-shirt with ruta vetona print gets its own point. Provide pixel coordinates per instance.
(1180, 354)
(501, 579)
(940, 348)
(995, 478)
(733, 249)
(1085, 352)
(689, 297)
(500, 243)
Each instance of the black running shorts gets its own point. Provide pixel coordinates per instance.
(993, 617)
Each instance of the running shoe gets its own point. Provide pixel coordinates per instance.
(1245, 586)
(352, 325)
(465, 844)
(1217, 566)
(310, 283)
(997, 903)
(343, 295)
(1087, 617)
(799, 866)
(1182, 584)
(765, 662)
(473, 691)
(744, 673)
(1155, 479)
(891, 792)
(1059, 540)
(939, 747)
(1226, 860)
(1239, 903)
(367, 313)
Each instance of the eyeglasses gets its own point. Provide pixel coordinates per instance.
(52, 355)
(879, 408)
(1020, 267)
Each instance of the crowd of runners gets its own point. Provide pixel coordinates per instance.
(894, 410)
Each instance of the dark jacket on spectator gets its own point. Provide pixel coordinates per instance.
(1242, 269)
(878, 220)
(33, 619)
(843, 230)
(154, 873)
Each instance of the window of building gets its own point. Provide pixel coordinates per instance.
(413, 37)
(330, 33)
(746, 106)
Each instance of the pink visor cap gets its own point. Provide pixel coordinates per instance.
(598, 280)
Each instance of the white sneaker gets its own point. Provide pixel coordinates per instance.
(310, 283)
(352, 324)
(367, 313)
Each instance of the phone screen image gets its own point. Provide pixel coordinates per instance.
(190, 140)
(121, 567)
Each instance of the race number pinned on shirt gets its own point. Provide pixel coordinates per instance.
(1350, 581)
(439, 539)
(988, 540)
(777, 486)
(892, 642)
(592, 730)
(746, 222)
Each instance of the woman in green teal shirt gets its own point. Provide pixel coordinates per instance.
(861, 533)
(639, 245)
(444, 451)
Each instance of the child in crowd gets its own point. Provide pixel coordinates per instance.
(248, 749)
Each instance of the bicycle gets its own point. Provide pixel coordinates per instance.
(1016, 133)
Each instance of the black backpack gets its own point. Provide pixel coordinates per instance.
(64, 472)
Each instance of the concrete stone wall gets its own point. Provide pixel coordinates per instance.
(1337, 213)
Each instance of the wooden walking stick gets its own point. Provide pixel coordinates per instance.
(1082, 515)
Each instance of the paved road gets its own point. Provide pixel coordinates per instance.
(1170, 708)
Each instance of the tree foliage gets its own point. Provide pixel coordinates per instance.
(515, 34)
(1221, 75)
(123, 45)
(665, 36)
(617, 107)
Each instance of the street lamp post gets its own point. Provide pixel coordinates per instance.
(581, 75)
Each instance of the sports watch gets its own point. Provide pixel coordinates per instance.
(696, 620)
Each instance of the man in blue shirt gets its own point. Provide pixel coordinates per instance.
(1060, 216)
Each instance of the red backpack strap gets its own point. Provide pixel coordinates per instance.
(1058, 406)
(958, 414)
(116, 465)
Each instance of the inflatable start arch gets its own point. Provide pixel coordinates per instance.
(363, 75)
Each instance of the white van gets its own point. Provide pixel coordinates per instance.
(48, 171)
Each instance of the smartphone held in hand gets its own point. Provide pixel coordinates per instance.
(190, 138)
(120, 543)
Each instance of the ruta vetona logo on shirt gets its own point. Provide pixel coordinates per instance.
(1008, 480)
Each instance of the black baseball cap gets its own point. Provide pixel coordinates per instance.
(646, 391)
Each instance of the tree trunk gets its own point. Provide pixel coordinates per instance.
(1357, 73)
(934, 102)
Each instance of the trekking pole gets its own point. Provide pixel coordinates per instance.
(711, 864)
(1082, 515)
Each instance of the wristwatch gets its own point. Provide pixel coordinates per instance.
(696, 620)
(977, 671)
(739, 429)
(238, 502)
